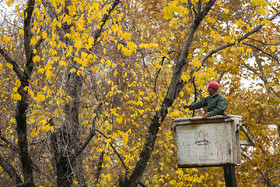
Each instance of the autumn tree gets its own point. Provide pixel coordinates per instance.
(89, 88)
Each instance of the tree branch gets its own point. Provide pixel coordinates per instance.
(105, 17)
(11, 171)
(92, 132)
(126, 168)
(259, 49)
(157, 73)
(9, 59)
(99, 168)
(9, 144)
(195, 94)
(266, 179)
(257, 28)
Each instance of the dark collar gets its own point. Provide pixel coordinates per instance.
(215, 95)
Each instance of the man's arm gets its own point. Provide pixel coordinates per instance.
(198, 104)
(221, 107)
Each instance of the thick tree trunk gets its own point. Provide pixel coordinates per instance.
(70, 136)
(22, 105)
(22, 136)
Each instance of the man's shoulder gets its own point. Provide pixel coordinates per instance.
(220, 96)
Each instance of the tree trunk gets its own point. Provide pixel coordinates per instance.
(70, 136)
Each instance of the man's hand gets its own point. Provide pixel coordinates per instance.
(204, 116)
(186, 106)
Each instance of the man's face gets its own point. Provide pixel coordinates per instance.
(211, 91)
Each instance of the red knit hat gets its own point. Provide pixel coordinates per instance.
(213, 84)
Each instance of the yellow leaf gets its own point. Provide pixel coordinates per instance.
(16, 97)
(196, 63)
(91, 40)
(108, 140)
(53, 44)
(41, 70)
(132, 46)
(272, 48)
(72, 70)
(9, 65)
(31, 93)
(21, 32)
(62, 63)
(249, 50)
(48, 74)
(226, 11)
(40, 97)
(102, 60)
(36, 59)
(109, 63)
(44, 35)
(125, 138)
(93, 69)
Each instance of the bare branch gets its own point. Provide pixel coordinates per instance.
(11, 171)
(251, 69)
(261, 42)
(199, 7)
(157, 73)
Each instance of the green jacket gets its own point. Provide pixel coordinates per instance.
(216, 105)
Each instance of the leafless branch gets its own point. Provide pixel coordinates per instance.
(192, 7)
